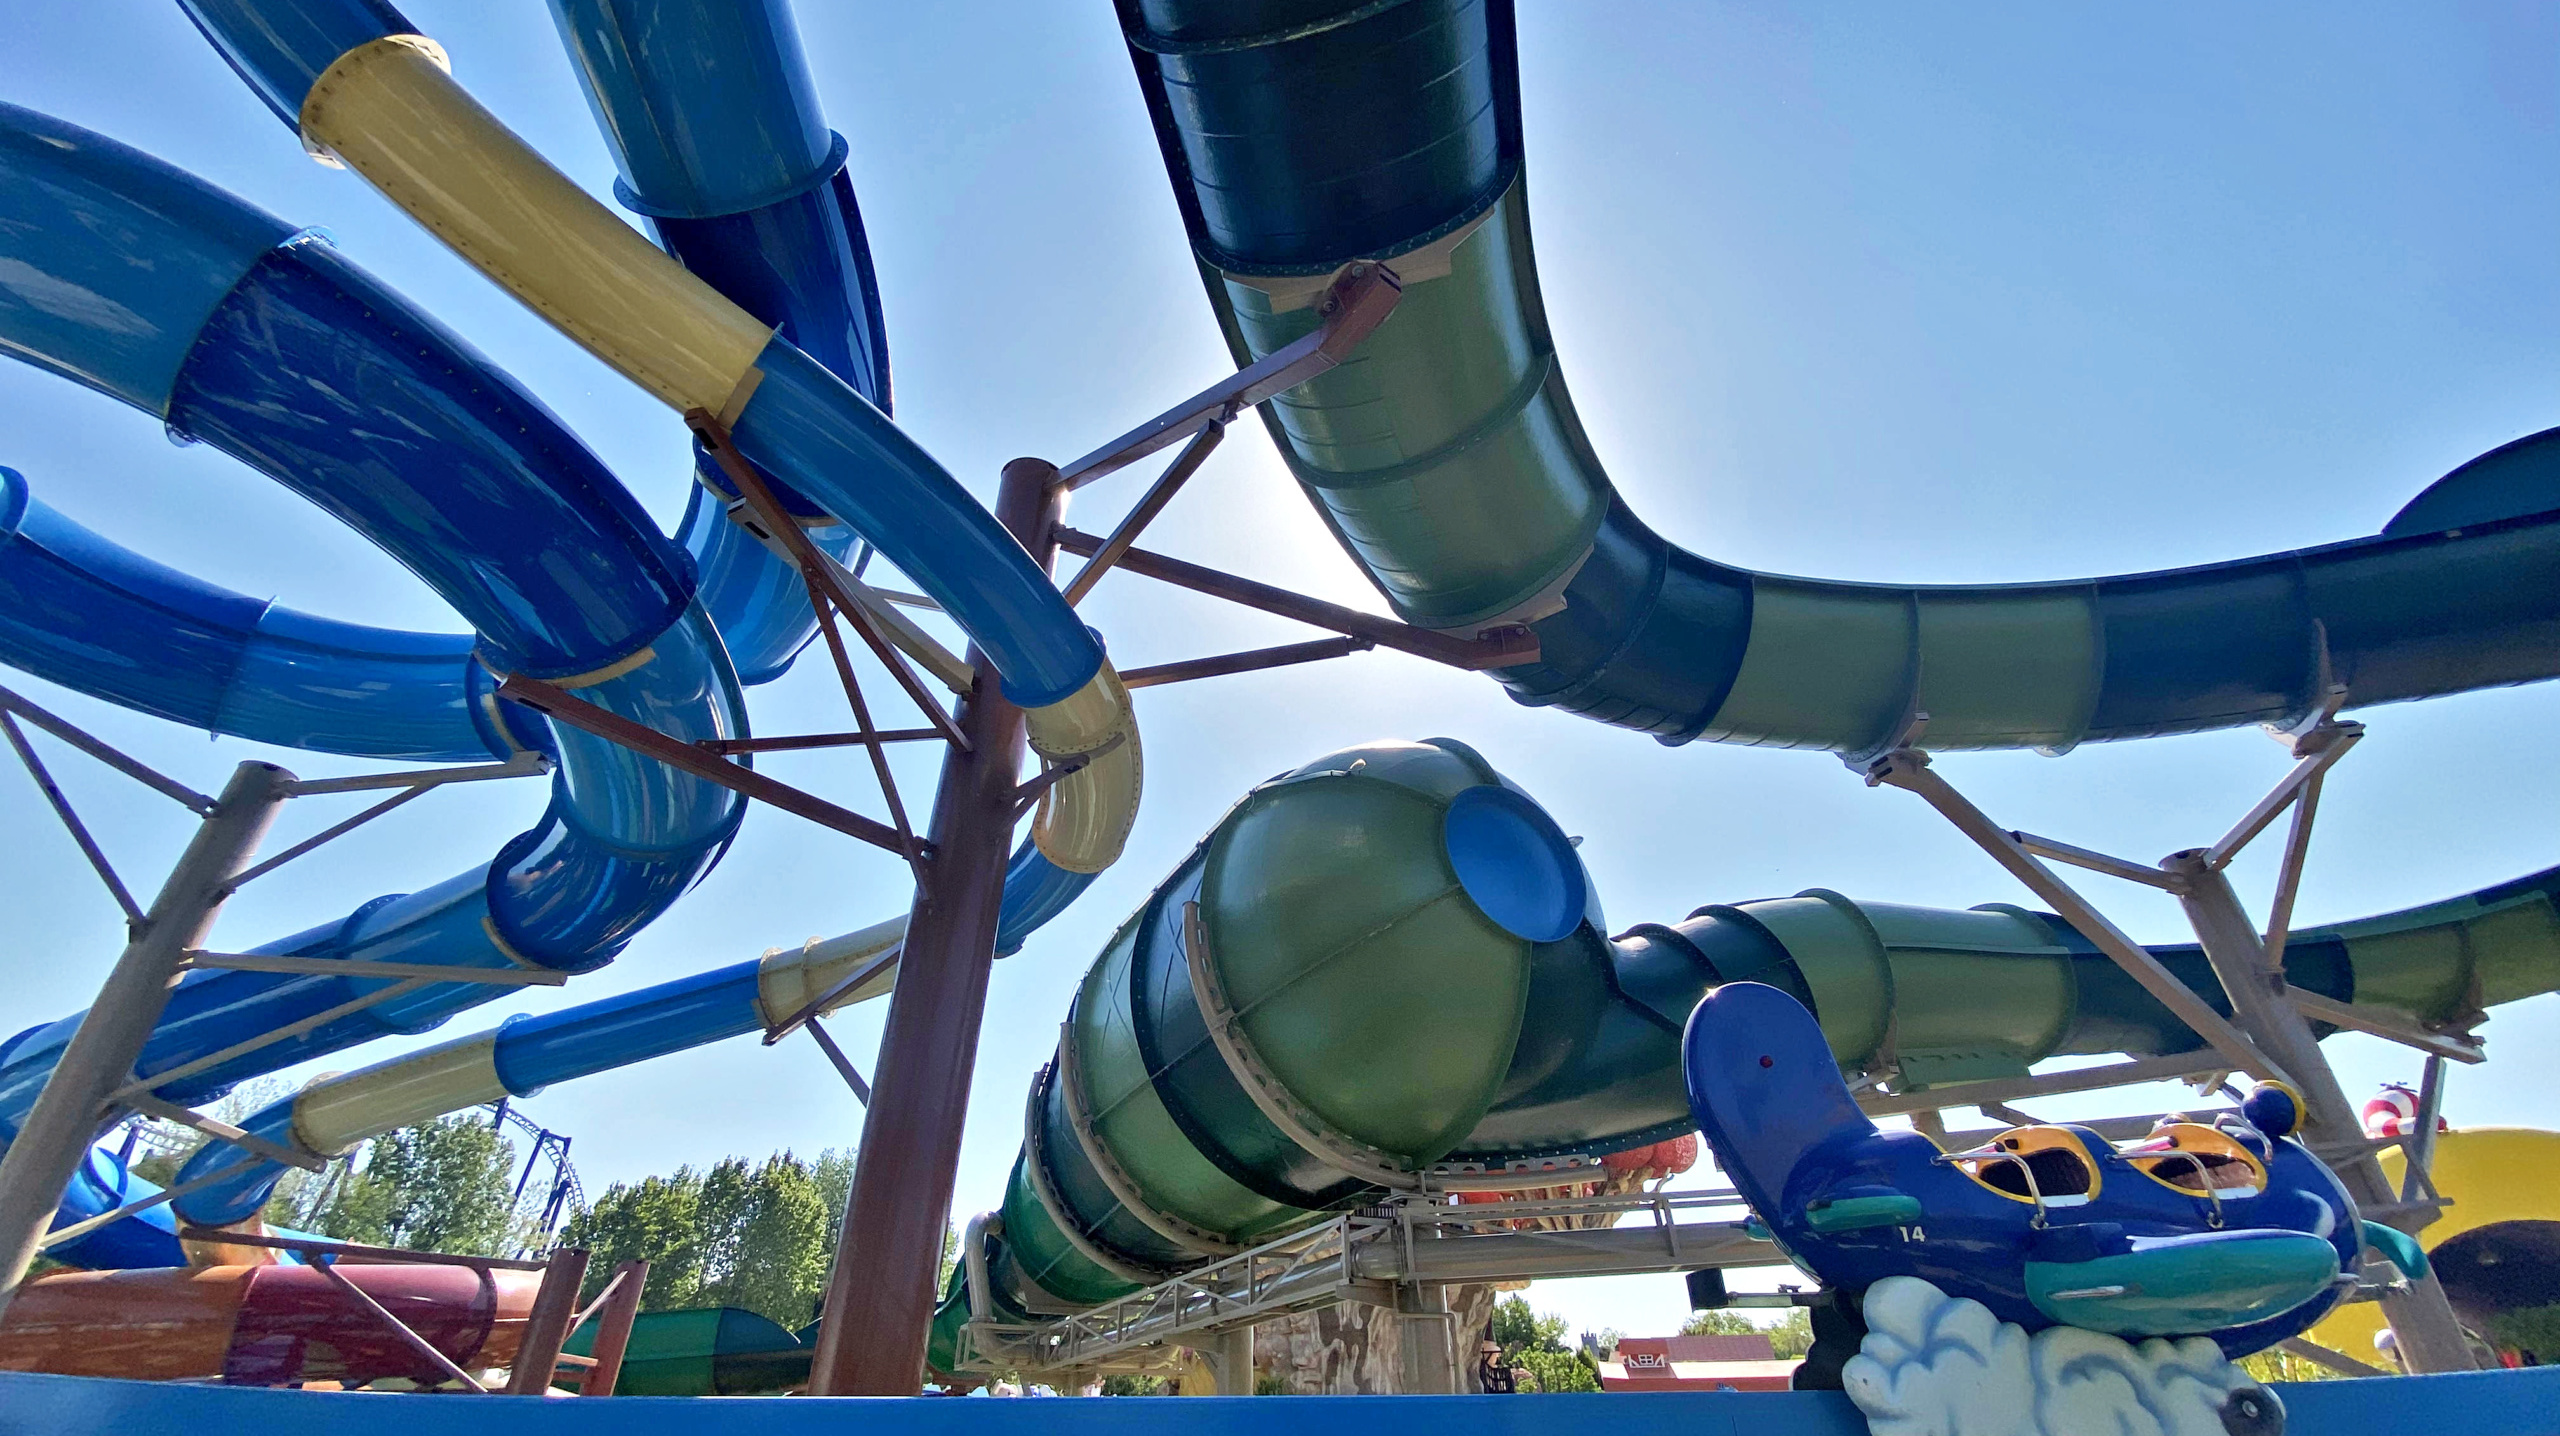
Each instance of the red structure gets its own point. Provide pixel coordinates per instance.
(1708, 1362)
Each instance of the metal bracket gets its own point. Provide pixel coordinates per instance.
(686, 758)
(222, 1131)
(1909, 769)
(1251, 660)
(1500, 647)
(1357, 303)
(851, 1074)
(814, 1007)
(358, 967)
(1027, 794)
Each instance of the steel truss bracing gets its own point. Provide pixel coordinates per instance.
(1379, 1255)
(93, 1085)
(2269, 1033)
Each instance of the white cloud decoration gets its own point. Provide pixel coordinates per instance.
(1937, 1365)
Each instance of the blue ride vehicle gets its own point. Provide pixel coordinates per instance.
(2229, 1229)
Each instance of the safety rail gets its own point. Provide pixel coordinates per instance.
(1363, 1256)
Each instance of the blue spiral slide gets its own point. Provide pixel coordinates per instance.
(239, 331)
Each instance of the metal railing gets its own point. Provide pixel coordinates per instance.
(1365, 1255)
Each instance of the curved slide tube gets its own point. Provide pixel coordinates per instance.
(228, 326)
(338, 687)
(712, 117)
(518, 1058)
(271, 1325)
(81, 611)
(362, 90)
(1390, 963)
(1451, 466)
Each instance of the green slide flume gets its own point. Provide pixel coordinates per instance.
(1303, 135)
(1390, 964)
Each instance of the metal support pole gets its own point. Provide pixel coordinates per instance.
(2430, 1337)
(1230, 1358)
(613, 1329)
(880, 1296)
(1429, 1348)
(100, 1056)
(1494, 648)
(2418, 1179)
(1909, 769)
(546, 1327)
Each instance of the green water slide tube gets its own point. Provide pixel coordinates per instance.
(704, 1351)
(1301, 135)
(1389, 966)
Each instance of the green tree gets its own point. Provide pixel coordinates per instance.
(832, 1172)
(764, 1235)
(1559, 1371)
(1516, 1328)
(439, 1186)
(656, 1220)
(1790, 1336)
(758, 1237)
(1535, 1340)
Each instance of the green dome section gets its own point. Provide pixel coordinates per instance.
(1366, 980)
(1324, 997)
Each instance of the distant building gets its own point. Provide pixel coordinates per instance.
(1709, 1362)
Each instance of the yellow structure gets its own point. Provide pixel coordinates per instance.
(2490, 1174)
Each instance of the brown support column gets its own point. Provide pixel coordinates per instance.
(613, 1329)
(880, 1296)
(546, 1328)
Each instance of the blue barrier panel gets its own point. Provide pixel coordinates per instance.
(2488, 1403)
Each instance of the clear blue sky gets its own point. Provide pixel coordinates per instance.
(1914, 293)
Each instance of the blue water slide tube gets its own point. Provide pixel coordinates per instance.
(664, 85)
(530, 1053)
(799, 262)
(713, 121)
(84, 612)
(146, 284)
(793, 414)
(78, 610)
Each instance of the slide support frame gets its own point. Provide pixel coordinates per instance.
(2269, 1034)
(880, 1295)
(98, 1059)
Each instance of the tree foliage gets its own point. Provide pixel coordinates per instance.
(443, 1186)
(1535, 1340)
(1790, 1336)
(758, 1237)
(1515, 1328)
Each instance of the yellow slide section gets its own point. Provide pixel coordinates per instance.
(2491, 1175)
(1085, 819)
(390, 111)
